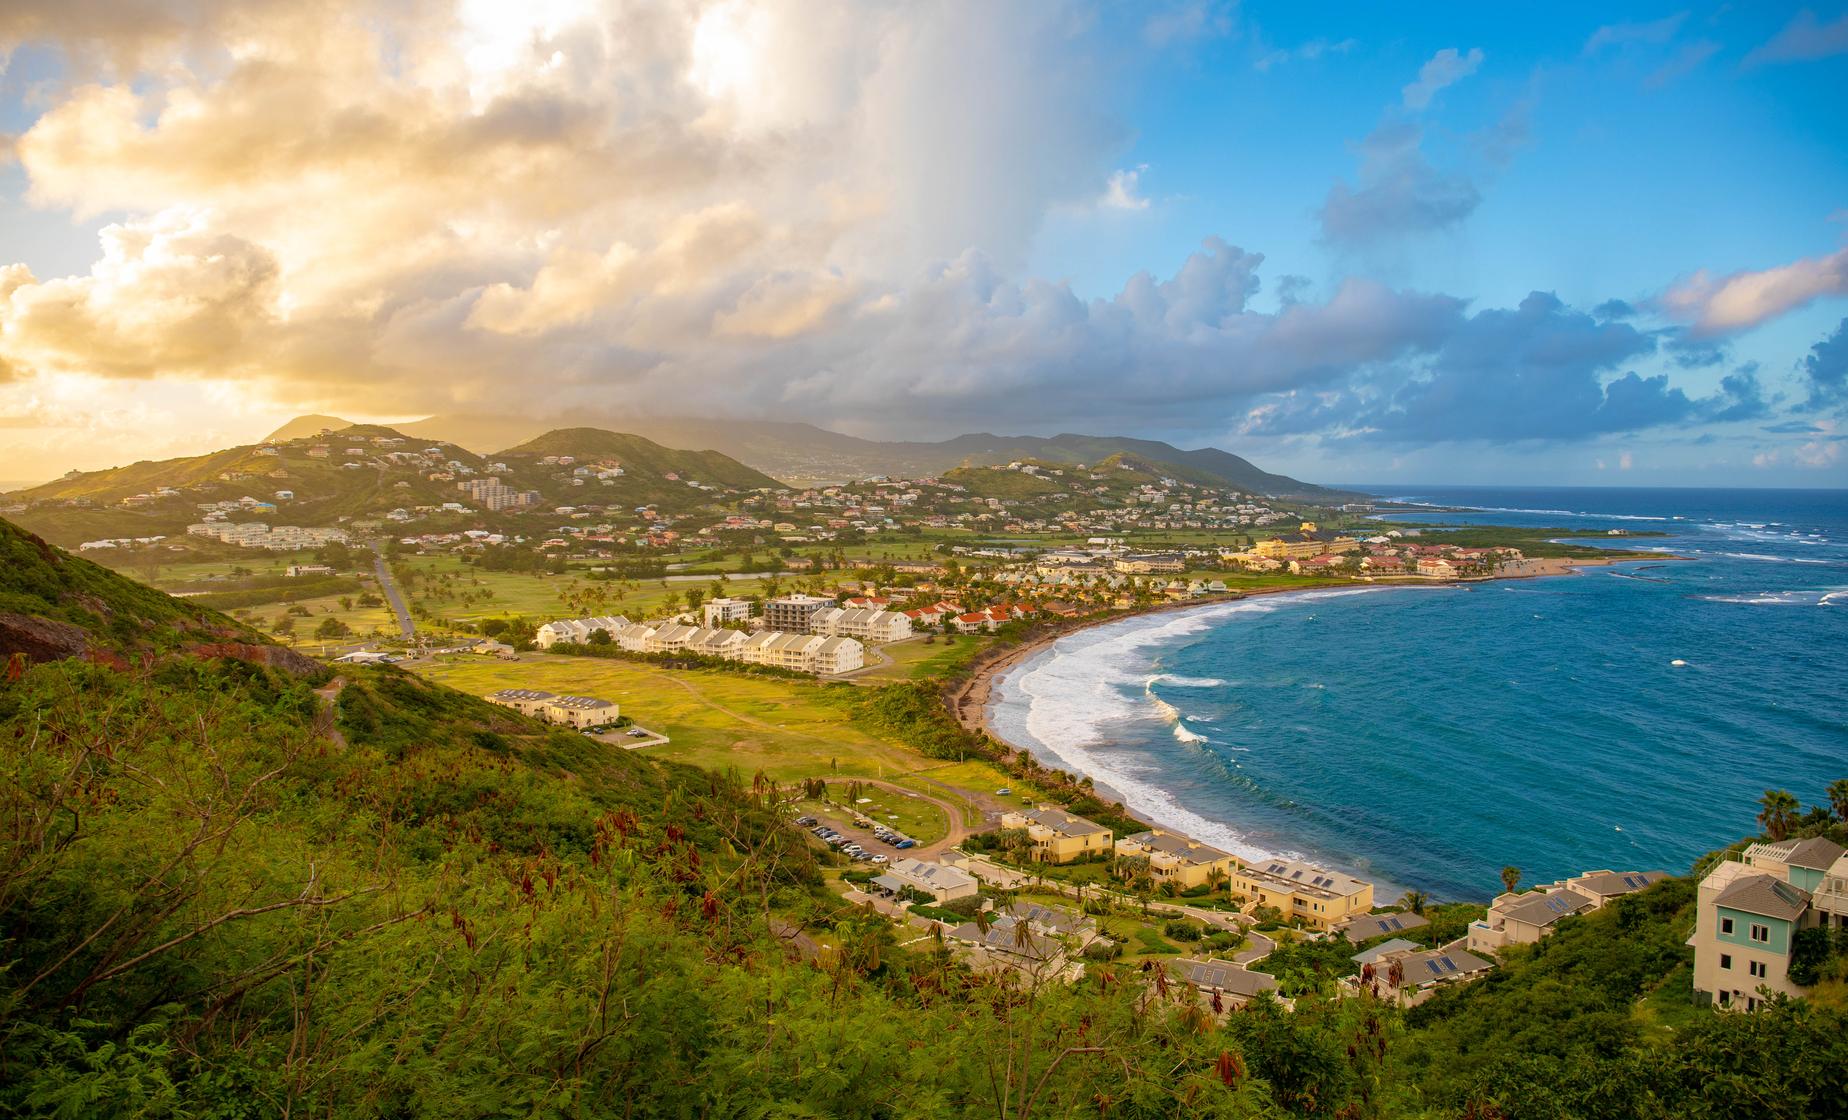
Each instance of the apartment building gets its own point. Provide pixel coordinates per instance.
(1303, 892)
(1176, 858)
(577, 631)
(1751, 909)
(526, 701)
(1059, 836)
(717, 612)
(870, 624)
(791, 613)
(580, 711)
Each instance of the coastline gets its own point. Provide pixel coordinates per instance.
(972, 702)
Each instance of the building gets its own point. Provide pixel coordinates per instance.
(1235, 984)
(940, 881)
(1383, 950)
(580, 711)
(1176, 858)
(1303, 546)
(791, 613)
(1058, 836)
(493, 494)
(872, 624)
(296, 571)
(1409, 978)
(833, 656)
(1366, 927)
(1436, 567)
(577, 631)
(1522, 919)
(1303, 892)
(526, 701)
(1750, 910)
(717, 612)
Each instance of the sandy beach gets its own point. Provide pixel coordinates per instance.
(971, 702)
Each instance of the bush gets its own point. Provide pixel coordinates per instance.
(1182, 930)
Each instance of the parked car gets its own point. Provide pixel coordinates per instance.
(1003, 791)
(637, 733)
(906, 844)
(879, 859)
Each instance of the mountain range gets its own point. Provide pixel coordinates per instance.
(798, 452)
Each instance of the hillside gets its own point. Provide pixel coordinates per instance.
(233, 891)
(307, 427)
(799, 451)
(642, 457)
(364, 472)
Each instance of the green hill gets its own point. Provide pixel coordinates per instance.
(229, 889)
(643, 457)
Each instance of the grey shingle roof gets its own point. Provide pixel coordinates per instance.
(1224, 975)
(1766, 895)
(1612, 883)
(1545, 909)
(1369, 926)
(1383, 949)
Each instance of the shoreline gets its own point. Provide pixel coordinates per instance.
(974, 701)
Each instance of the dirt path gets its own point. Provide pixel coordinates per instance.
(324, 721)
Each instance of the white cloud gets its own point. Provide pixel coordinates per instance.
(1803, 39)
(1120, 191)
(1445, 68)
(1623, 34)
(1717, 305)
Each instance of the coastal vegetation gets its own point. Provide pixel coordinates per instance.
(234, 883)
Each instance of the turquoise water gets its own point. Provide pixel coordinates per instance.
(1426, 737)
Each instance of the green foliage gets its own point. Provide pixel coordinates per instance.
(1302, 967)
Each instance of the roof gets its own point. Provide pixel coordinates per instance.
(1176, 845)
(1298, 873)
(1224, 975)
(1062, 822)
(1050, 918)
(939, 876)
(1384, 949)
(1369, 926)
(519, 694)
(1812, 852)
(1606, 884)
(1439, 965)
(1001, 938)
(581, 703)
(1765, 895)
(1545, 909)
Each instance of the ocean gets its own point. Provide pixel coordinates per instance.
(1426, 737)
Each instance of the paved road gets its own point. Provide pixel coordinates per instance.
(390, 587)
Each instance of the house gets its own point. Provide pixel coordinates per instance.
(1366, 927)
(1235, 984)
(873, 624)
(1436, 567)
(1058, 836)
(1602, 886)
(580, 711)
(1410, 978)
(1303, 892)
(1751, 909)
(1384, 949)
(833, 656)
(296, 571)
(1524, 918)
(577, 631)
(1176, 858)
(940, 881)
(719, 611)
(526, 701)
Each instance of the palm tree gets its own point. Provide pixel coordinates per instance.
(1414, 901)
(1838, 798)
(1779, 810)
(1511, 878)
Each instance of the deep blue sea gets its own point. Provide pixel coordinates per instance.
(1426, 737)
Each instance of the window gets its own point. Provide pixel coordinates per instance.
(1759, 970)
(1725, 960)
(1761, 933)
(1726, 925)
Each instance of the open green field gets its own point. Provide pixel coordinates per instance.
(449, 589)
(365, 622)
(924, 657)
(787, 729)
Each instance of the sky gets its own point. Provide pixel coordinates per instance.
(1578, 244)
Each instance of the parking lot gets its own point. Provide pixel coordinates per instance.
(879, 844)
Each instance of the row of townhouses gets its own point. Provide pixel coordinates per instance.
(801, 652)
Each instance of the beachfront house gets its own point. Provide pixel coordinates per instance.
(1525, 917)
(1058, 836)
(1753, 910)
(1174, 858)
(1314, 896)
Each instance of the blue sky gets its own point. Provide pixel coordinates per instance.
(1585, 245)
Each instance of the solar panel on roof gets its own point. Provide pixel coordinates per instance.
(1396, 924)
(1449, 964)
(1435, 971)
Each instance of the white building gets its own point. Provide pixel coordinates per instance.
(866, 623)
(719, 611)
(577, 631)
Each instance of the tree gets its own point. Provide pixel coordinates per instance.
(1778, 811)
(1414, 901)
(1838, 798)
(1511, 878)
(331, 627)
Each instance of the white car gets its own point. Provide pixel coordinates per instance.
(879, 859)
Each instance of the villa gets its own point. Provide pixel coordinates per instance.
(1751, 909)
(1303, 892)
(940, 881)
(1235, 984)
(1366, 927)
(1175, 858)
(1522, 918)
(1059, 836)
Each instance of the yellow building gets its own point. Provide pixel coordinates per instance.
(1317, 897)
(1175, 858)
(1294, 546)
(1058, 836)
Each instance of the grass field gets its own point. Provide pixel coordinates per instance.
(449, 589)
(919, 657)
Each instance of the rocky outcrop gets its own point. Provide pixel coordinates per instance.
(279, 658)
(40, 639)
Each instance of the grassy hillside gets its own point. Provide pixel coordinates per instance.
(233, 891)
(642, 457)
